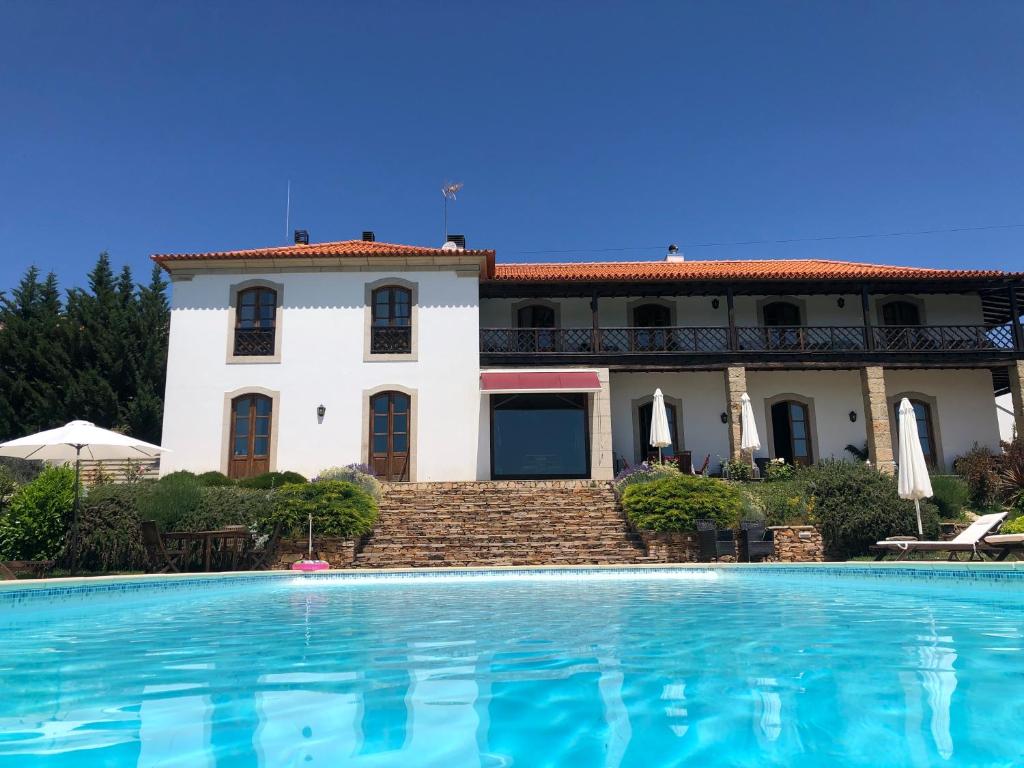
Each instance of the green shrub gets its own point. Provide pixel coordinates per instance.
(673, 503)
(778, 470)
(21, 470)
(108, 537)
(221, 506)
(338, 509)
(8, 485)
(951, 495)
(737, 469)
(169, 499)
(357, 474)
(37, 518)
(856, 505)
(979, 469)
(644, 472)
(270, 480)
(780, 502)
(1016, 525)
(214, 479)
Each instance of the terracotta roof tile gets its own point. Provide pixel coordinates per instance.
(778, 269)
(353, 248)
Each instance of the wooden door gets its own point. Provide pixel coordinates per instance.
(390, 415)
(249, 449)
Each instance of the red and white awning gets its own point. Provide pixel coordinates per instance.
(508, 382)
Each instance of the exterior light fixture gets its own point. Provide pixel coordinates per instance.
(715, 303)
(724, 417)
(321, 411)
(853, 415)
(841, 301)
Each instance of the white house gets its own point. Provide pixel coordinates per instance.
(438, 364)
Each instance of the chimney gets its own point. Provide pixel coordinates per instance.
(301, 237)
(459, 240)
(368, 236)
(674, 254)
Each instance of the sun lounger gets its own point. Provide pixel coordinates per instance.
(1006, 544)
(971, 540)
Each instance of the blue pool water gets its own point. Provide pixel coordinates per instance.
(735, 667)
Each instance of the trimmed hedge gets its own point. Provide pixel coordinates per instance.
(223, 506)
(108, 536)
(675, 502)
(270, 480)
(214, 479)
(357, 474)
(338, 509)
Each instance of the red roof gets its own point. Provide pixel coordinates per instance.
(341, 248)
(776, 269)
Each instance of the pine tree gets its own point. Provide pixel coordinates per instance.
(151, 322)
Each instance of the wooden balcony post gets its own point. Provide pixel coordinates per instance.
(1018, 332)
(865, 308)
(1016, 371)
(596, 327)
(730, 303)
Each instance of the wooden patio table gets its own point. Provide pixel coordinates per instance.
(206, 538)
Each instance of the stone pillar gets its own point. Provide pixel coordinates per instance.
(876, 418)
(1017, 396)
(735, 386)
(602, 461)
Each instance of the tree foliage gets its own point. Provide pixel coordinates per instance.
(99, 354)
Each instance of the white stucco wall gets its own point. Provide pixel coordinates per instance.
(965, 407)
(1004, 411)
(834, 395)
(322, 362)
(703, 400)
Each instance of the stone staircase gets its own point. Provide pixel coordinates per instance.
(571, 522)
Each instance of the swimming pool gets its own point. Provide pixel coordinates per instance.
(759, 666)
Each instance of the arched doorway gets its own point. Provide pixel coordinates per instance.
(249, 447)
(791, 432)
(390, 415)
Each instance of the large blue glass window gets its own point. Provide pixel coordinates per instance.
(539, 436)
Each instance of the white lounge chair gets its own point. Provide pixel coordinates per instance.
(970, 540)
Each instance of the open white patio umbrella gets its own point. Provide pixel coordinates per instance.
(661, 437)
(912, 481)
(77, 440)
(749, 440)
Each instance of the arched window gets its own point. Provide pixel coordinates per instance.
(791, 432)
(781, 313)
(900, 312)
(535, 323)
(391, 321)
(249, 448)
(645, 413)
(925, 428)
(255, 321)
(390, 415)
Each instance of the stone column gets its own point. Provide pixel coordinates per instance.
(1017, 395)
(602, 462)
(735, 386)
(876, 418)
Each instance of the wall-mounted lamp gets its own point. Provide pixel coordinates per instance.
(841, 302)
(853, 415)
(724, 417)
(321, 411)
(715, 303)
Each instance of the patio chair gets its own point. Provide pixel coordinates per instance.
(263, 559)
(756, 541)
(714, 542)
(971, 540)
(161, 560)
(6, 574)
(704, 467)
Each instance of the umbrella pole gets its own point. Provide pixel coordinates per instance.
(920, 528)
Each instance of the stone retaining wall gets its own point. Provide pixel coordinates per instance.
(340, 553)
(798, 544)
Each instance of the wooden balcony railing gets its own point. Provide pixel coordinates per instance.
(391, 340)
(797, 340)
(254, 342)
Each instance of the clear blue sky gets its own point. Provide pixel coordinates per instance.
(141, 127)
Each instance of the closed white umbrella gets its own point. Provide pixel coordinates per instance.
(78, 439)
(913, 481)
(661, 436)
(749, 441)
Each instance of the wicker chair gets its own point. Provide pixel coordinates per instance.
(756, 541)
(714, 542)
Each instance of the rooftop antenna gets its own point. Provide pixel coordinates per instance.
(449, 189)
(288, 212)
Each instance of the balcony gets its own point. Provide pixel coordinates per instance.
(527, 345)
(391, 340)
(254, 342)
